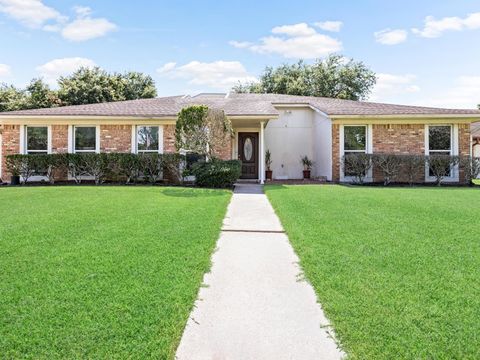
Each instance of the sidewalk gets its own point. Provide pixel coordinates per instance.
(255, 305)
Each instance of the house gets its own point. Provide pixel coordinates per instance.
(290, 127)
(476, 139)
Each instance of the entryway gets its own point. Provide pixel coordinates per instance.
(248, 154)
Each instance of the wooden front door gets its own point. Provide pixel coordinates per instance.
(248, 154)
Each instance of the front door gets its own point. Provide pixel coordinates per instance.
(248, 154)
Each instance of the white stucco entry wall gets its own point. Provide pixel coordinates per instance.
(296, 133)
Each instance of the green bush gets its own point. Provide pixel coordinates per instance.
(217, 173)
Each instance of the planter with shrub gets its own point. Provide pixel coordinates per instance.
(307, 167)
(268, 164)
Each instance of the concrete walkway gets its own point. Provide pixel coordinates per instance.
(255, 305)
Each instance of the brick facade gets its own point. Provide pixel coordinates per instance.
(169, 139)
(59, 138)
(225, 152)
(10, 145)
(336, 163)
(402, 139)
(115, 138)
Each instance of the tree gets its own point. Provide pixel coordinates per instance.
(40, 96)
(334, 77)
(202, 130)
(12, 98)
(94, 85)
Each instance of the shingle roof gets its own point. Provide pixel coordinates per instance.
(237, 104)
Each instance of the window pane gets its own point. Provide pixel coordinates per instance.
(37, 138)
(439, 138)
(85, 138)
(354, 138)
(147, 138)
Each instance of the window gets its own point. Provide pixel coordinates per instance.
(85, 138)
(36, 140)
(439, 141)
(148, 138)
(354, 141)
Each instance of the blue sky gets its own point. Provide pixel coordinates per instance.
(424, 52)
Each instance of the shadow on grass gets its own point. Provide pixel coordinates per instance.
(193, 192)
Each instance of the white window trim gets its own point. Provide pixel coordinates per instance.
(454, 173)
(23, 147)
(368, 150)
(71, 139)
(134, 139)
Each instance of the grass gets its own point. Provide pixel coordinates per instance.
(102, 272)
(396, 269)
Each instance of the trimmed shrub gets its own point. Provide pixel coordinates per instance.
(357, 165)
(51, 165)
(172, 163)
(471, 168)
(25, 165)
(440, 166)
(389, 164)
(413, 166)
(77, 167)
(217, 173)
(97, 166)
(127, 166)
(150, 166)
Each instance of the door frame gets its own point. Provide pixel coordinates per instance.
(248, 131)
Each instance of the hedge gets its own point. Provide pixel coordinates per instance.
(114, 167)
(395, 167)
(217, 173)
(125, 168)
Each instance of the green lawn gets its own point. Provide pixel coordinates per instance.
(397, 270)
(102, 272)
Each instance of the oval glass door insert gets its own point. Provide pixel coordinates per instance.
(248, 149)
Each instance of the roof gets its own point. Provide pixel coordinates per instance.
(238, 105)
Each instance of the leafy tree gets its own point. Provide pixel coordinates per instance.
(334, 77)
(138, 86)
(39, 95)
(202, 130)
(12, 98)
(94, 85)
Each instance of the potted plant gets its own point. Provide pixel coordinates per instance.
(268, 163)
(307, 166)
(13, 167)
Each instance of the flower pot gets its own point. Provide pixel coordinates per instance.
(268, 174)
(306, 174)
(15, 180)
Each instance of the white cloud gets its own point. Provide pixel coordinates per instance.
(86, 29)
(391, 86)
(463, 94)
(294, 41)
(301, 29)
(217, 74)
(5, 70)
(55, 68)
(391, 37)
(434, 28)
(35, 14)
(31, 13)
(240, 44)
(333, 26)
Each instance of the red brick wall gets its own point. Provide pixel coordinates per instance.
(336, 163)
(401, 139)
(169, 139)
(10, 145)
(59, 138)
(464, 146)
(225, 152)
(115, 138)
(398, 139)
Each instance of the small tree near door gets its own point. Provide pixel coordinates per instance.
(202, 130)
